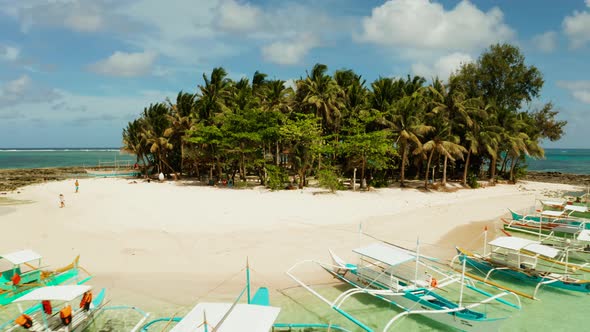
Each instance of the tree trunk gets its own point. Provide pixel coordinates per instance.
(427, 169)
(277, 153)
(181, 156)
(363, 165)
(404, 160)
(493, 171)
(466, 168)
(512, 166)
(219, 171)
(444, 178)
(504, 163)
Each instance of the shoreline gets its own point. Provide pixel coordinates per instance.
(12, 179)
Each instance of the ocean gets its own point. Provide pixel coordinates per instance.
(575, 161)
(59, 157)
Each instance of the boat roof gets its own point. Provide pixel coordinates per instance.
(552, 213)
(517, 243)
(584, 235)
(55, 293)
(386, 254)
(243, 317)
(553, 203)
(23, 256)
(565, 229)
(576, 208)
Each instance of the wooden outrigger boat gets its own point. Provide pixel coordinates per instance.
(526, 260)
(574, 240)
(53, 309)
(256, 315)
(62, 309)
(394, 274)
(547, 220)
(24, 273)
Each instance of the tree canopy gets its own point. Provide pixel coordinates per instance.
(479, 123)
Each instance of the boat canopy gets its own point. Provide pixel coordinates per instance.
(550, 213)
(55, 293)
(576, 208)
(243, 317)
(565, 229)
(23, 256)
(517, 243)
(584, 235)
(386, 254)
(552, 203)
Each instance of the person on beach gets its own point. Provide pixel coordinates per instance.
(77, 185)
(62, 201)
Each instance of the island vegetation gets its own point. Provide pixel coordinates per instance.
(478, 124)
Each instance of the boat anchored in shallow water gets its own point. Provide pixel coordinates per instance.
(525, 260)
(394, 275)
(23, 273)
(256, 315)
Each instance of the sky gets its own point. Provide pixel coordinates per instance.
(74, 72)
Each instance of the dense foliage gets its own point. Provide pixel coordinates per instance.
(479, 123)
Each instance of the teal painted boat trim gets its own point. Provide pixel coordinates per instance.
(352, 319)
(317, 326)
(490, 295)
(163, 319)
(261, 297)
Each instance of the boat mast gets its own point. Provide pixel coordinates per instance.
(417, 257)
(485, 240)
(248, 279)
(462, 283)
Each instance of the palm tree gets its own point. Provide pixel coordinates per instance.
(323, 95)
(181, 121)
(444, 145)
(404, 118)
(213, 95)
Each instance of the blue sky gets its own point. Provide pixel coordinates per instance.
(74, 72)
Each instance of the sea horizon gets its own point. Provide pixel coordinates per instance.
(563, 160)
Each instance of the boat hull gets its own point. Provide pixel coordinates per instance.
(8, 297)
(461, 320)
(485, 266)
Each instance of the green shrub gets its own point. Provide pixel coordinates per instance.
(328, 178)
(277, 177)
(472, 181)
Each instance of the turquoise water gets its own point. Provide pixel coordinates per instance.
(39, 158)
(575, 161)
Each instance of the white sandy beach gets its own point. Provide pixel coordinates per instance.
(173, 242)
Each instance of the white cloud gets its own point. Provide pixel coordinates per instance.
(577, 28)
(9, 53)
(22, 90)
(425, 25)
(443, 67)
(546, 42)
(234, 16)
(289, 52)
(125, 64)
(580, 90)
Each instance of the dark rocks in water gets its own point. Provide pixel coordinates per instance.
(558, 177)
(12, 179)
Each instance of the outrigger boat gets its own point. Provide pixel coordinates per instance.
(256, 315)
(575, 240)
(525, 260)
(547, 220)
(394, 274)
(24, 272)
(56, 309)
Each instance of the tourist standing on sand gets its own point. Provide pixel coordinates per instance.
(77, 185)
(62, 201)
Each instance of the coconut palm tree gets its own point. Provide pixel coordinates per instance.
(323, 95)
(181, 121)
(444, 145)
